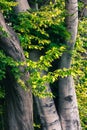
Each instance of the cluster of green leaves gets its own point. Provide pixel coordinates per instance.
(35, 28)
(5, 62)
(42, 30)
(6, 5)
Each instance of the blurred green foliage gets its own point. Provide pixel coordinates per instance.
(6, 5)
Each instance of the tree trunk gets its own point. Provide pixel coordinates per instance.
(46, 107)
(22, 6)
(19, 106)
(85, 8)
(67, 103)
(19, 101)
(48, 114)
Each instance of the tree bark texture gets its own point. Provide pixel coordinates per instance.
(67, 103)
(19, 101)
(48, 114)
(22, 6)
(19, 106)
(46, 107)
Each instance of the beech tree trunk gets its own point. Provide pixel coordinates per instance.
(48, 114)
(19, 101)
(67, 103)
(85, 8)
(46, 107)
(22, 6)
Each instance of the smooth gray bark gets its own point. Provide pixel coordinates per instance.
(19, 101)
(22, 6)
(46, 106)
(67, 103)
(19, 106)
(48, 114)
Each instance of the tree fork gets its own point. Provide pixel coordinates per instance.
(44, 111)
